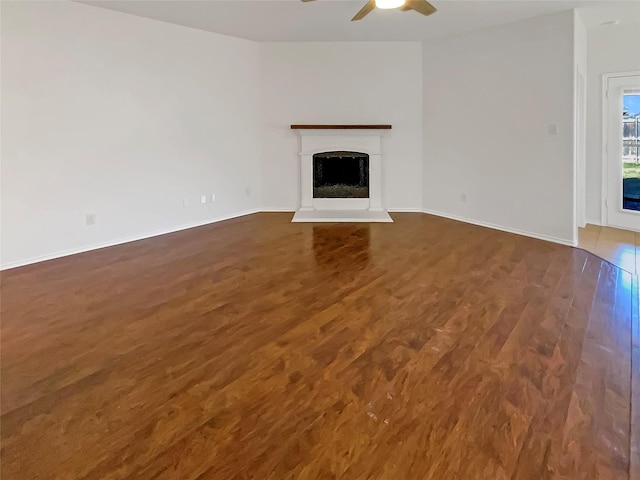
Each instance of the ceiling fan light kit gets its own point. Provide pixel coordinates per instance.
(420, 6)
(387, 4)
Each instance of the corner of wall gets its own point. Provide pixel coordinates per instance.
(473, 176)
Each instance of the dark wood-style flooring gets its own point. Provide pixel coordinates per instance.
(260, 349)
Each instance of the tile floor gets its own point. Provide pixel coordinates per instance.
(620, 247)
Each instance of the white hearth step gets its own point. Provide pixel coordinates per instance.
(342, 216)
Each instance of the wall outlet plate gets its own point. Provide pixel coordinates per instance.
(90, 219)
(203, 199)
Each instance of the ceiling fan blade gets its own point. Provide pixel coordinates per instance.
(364, 11)
(420, 6)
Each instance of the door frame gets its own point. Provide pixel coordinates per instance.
(580, 152)
(604, 212)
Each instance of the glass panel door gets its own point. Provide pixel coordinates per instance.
(622, 195)
(631, 151)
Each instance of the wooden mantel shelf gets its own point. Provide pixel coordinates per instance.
(340, 127)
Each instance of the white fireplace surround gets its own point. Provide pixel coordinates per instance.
(323, 140)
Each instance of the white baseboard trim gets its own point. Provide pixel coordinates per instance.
(517, 231)
(593, 221)
(293, 210)
(120, 241)
(404, 210)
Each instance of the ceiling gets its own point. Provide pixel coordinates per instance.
(329, 20)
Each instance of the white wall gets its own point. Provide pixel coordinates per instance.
(342, 83)
(123, 117)
(611, 49)
(490, 97)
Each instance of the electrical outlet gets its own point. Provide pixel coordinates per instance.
(213, 197)
(463, 197)
(185, 202)
(90, 219)
(247, 191)
(553, 129)
(203, 199)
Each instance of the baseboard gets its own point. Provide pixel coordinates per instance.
(593, 221)
(120, 241)
(390, 210)
(404, 210)
(517, 231)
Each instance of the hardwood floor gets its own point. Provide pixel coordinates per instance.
(620, 247)
(260, 349)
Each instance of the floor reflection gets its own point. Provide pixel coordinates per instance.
(620, 247)
(342, 246)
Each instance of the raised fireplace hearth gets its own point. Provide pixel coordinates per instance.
(341, 173)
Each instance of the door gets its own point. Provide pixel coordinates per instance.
(622, 196)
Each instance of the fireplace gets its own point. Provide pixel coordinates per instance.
(341, 175)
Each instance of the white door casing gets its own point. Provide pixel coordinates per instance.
(614, 86)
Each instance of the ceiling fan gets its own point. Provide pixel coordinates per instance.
(420, 6)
